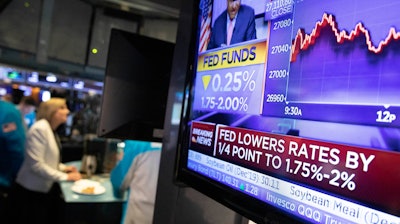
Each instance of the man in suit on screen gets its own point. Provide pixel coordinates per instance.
(235, 24)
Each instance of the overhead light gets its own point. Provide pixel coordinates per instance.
(51, 78)
(33, 77)
(46, 95)
(3, 91)
(64, 84)
(79, 85)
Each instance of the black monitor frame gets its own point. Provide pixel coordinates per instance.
(249, 207)
(136, 87)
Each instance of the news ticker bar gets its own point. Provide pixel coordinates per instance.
(300, 201)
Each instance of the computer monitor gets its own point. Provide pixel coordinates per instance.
(135, 88)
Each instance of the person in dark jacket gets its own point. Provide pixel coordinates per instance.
(235, 24)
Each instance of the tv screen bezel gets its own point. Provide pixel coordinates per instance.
(253, 209)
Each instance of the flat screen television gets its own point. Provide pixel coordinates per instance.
(135, 87)
(297, 124)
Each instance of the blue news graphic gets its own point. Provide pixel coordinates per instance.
(335, 63)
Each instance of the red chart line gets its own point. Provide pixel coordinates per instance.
(302, 40)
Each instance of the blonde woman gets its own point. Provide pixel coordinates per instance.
(36, 190)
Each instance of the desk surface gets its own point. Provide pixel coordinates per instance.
(103, 179)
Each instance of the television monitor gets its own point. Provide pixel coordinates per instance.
(135, 87)
(299, 124)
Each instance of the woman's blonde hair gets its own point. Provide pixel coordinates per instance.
(48, 108)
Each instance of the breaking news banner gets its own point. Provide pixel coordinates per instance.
(341, 169)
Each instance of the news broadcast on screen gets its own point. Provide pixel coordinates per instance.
(298, 111)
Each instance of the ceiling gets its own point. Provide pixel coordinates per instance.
(55, 35)
(149, 8)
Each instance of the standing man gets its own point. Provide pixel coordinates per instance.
(27, 107)
(12, 144)
(235, 24)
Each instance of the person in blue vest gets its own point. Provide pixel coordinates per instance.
(12, 147)
(137, 174)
